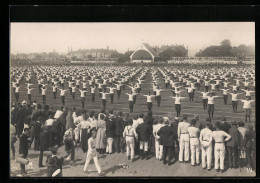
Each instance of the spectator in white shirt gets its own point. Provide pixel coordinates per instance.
(158, 147)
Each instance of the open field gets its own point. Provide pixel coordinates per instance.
(151, 167)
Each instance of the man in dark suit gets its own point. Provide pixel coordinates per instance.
(44, 143)
(166, 134)
(110, 131)
(23, 148)
(35, 133)
(144, 132)
(119, 128)
(233, 145)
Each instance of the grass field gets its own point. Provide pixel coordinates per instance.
(151, 167)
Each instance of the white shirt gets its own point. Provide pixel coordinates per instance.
(211, 100)
(44, 91)
(62, 92)
(82, 93)
(29, 90)
(58, 114)
(130, 97)
(247, 104)
(177, 100)
(104, 96)
(49, 122)
(148, 98)
(204, 95)
(92, 90)
(190, 90)
(234, 96)
(158, 92)
(17, 89)
(54, 88)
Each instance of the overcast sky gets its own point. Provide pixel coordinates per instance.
(46, 37)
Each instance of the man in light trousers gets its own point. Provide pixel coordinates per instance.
(194, 143)
(184, 139)
(220, 137)
(206, 146)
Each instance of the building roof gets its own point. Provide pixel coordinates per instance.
(151, 49)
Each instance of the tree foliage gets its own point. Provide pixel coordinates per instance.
(226, 50)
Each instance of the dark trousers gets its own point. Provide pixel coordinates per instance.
(134, 98)
(118, 143)
(29, 97)
(191, 96)
(17, 97)
(63, 100)
(225, 97)
(112, 98)
(131, 106)
(43, 99)
(178, 109)
(73, 95)
(168, 151)
(36, 143)
(71, 152)
(205, 103)
(249, 158)
(149, 106)
(22, 166)
(41, 157)
(159, 100)
(104, 102)
(234, 105)
(232, 156)
(54, 95)
(118, 93)
(207, 88)
(93, 97)
(83, 102)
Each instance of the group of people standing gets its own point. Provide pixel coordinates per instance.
(98, 133)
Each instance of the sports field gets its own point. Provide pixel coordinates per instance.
(151, 167)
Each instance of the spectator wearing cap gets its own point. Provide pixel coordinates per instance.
(144, 131)
(158, 146)
(44, 143)
(166, 134)
(233, 145)
(130, 135)
(184, 140)
(174, 125)
(225, 126)
(110, 131)
(206, 146)
(194, 134)
(119, 128)
(220, 137)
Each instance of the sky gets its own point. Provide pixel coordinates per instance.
(46, 37)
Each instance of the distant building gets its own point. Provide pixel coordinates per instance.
(91, 54)
(144, 53)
